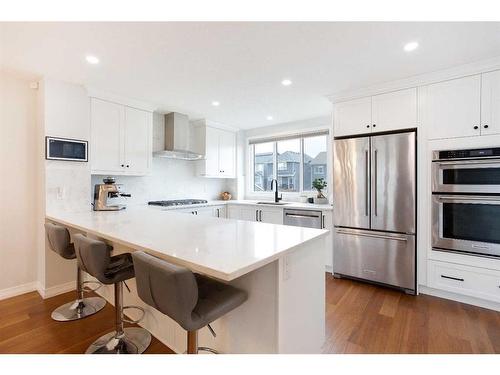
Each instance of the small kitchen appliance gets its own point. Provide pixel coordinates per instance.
(103, 192)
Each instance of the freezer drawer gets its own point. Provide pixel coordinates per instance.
(376, 256)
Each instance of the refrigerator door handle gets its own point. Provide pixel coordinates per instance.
(367, 182)
(375, 156)
(364, 234)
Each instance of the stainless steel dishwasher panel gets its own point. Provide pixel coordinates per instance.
(302, 218)
(383, 257)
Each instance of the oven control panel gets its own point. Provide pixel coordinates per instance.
(467, 154)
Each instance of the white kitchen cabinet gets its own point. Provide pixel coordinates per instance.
(208, 211)
(327, 223)
(138, 141)
(490, 103)
(452, 108)
(273, 215)
(106, 149)
(472, 281)
(121, 139)
(394, 110)
(353, 117)
(219, 148)
(385, 112)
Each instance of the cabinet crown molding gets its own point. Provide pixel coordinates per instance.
(459, 71)
(118, 99)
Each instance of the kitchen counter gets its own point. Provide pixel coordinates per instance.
(224, 249)
(297, 205)
(280, 267)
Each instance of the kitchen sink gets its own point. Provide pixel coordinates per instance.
(273, 203)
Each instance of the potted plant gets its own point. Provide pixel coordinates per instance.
(319, 184)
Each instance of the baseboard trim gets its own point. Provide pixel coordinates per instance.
(55, 290)
(459, 298)
(18, 290)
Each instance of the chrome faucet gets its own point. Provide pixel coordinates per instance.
(276, 198)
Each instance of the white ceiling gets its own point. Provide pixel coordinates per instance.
(185, 66)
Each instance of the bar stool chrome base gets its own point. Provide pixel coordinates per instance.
(133, 340)
(78, 309)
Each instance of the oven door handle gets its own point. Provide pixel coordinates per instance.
(486, 162)
(457, 198)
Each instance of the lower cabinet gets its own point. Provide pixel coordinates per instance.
(212, 211)
(328, 224)
(472, 281)
(270, 215)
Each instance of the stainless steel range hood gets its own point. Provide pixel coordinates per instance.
(178, 138)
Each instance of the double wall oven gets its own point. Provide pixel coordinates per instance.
(466, 201)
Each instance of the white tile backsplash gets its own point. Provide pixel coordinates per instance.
(170, 179)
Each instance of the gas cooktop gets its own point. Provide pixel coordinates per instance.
(178, 202)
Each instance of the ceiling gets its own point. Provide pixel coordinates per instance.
(186, 66)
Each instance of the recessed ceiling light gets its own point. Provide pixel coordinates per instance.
(215, 103)
(411, 46)
(92, 59)
(269, 118)
(286, 82)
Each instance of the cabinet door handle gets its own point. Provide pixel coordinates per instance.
(485, 126)
(374, 125)
(256, 215)
(476, 127)
(323, 221)
(128, 166)
(367, 126)
(260, 215)
(218, 213)
(452, 278)
(123, 165)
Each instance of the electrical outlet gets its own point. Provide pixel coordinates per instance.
(286, 267)
(60, 192)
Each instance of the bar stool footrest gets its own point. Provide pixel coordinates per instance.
(137, 320)
(87, 289)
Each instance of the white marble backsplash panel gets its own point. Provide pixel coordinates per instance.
(170, 179)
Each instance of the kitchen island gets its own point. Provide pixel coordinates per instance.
(281, 268)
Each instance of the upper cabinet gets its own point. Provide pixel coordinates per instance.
(385, 112)
(219, 148)
(453, 108)
(394, 110)
(353, 117)
(490, 103)
(121, 139)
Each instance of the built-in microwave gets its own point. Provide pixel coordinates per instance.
(66, 149)
(466, 171)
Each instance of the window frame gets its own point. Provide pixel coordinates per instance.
(251, 165)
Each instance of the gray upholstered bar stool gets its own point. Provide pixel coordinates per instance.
(192, 300)
(59, 241)
(94, 258)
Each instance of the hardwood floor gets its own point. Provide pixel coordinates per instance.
(363, 318)
(360, 318)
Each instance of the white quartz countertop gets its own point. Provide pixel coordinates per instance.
(221, 248)
(293, 205)
(297, 205)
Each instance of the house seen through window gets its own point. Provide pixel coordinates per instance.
(294, 163)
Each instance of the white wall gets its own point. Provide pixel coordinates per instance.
(283, 129)
(170, 179)
(18, 187)
(65, 113)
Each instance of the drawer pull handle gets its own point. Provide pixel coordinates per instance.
(452, 278)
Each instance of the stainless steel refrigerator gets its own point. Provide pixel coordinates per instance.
(375, 208)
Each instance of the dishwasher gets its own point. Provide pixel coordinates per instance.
(303, 218)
